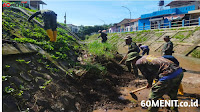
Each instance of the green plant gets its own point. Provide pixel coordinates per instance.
(23, 61)
(45, 84)
(8, 89)
(196, 53)
(159, 34)
(7, 66)
(5, 78)
(102, 49)
(179, 36)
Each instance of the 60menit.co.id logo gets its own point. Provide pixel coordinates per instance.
(22, 4)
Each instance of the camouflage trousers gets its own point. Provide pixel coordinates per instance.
(129, 64)
(50, 21)
(168, 87)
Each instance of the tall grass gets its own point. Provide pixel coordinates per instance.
(102, 49)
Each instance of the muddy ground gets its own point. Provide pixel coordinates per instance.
(125, 103)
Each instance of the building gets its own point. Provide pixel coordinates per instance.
(113, 28)
(124, 25)
(183, 3)
(73, 28)
(173, 17)
(35, 4)
(134, 25)
(32, 4)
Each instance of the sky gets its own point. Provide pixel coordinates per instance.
(99, 12)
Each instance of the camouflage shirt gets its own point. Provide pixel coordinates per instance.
(168, 48)
(133, 48)
(155, 67)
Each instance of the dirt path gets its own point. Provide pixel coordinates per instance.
(191, 85)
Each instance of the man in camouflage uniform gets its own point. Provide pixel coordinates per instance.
(50, 22)
(168, 74)
(132, 50)
(168, 46)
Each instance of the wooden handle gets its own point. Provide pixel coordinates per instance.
(123, 59)
(139, 89)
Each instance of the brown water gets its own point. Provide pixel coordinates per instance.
(191, 86)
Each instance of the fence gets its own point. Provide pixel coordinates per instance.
(173, 24)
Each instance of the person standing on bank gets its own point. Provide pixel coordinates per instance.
(168, 46)
(103, 35)
(50, 22)
(132, 50)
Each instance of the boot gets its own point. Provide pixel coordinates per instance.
(180, 89)
(50, 35)
(54, 35)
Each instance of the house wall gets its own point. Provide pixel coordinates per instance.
(141, 23)
(73, 28)
(112, 30)
(134, 26)
(35, 4)
(184, 10)
(180, 10)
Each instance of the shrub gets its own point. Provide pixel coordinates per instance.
(102, 49)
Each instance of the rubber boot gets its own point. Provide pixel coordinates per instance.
(54, 35)
(50, 35)
(180, 90)
(154, 81)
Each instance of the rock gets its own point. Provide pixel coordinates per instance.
(26, 76)
(40, 81)
(16, 81)
(29, 86)
(26, 95)
(35, 73)
(9, 104)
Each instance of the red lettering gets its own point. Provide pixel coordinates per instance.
(23, 1)
(4, 5)
(8, 5)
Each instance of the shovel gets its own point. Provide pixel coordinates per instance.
(123, 59)
(134, 91)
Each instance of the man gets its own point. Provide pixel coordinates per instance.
(168, 46)
(103, 35)
(168, 73)
(144, 48)
(132, 50)
(50, 22)
(173, 59)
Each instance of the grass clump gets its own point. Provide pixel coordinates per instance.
(159, 34)
(179, 36)
(102, 49)
(196, 53)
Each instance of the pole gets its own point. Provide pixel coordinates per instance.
(65, 19)
(128, 9)
(103, 22)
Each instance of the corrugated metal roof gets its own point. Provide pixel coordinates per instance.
(180, 2)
